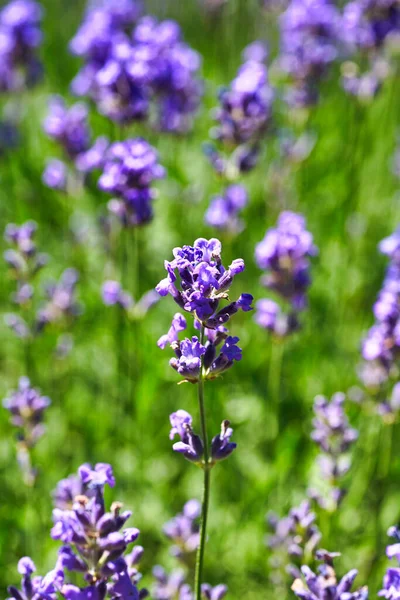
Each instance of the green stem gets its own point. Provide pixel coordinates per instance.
(274, 386)
(206, 485)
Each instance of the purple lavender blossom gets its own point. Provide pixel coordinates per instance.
(113, 294)
(334, 436)
(20, 36)
(27, 408)
(68, 126)
(382, 342)
(284, 253)
(314, 586)
(130, 168)
(294, 538)
(309, 44)
(23, 257)
(183, 531)
(214, 593)
(391, 580)
(204, 282)
(223, 212)
(67, 490)
(190, 445)
(61, 302)
(170, 586)
(36, 588)
(221, 446)
(55, 175)
(178, 324)
(270, 316)
(94, 540)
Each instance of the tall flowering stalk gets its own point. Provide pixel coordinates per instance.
(391, 581)
(199, 283)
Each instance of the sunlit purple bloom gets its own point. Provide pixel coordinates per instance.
(101, 474)
(170, 586)
(204, 282)
(221, 446)
(315, 585)
(94, 157)
(55, 175)
(178, 324)
(27, 408)
(190, 445)
(214, 593)
(224, 210)
(68, 126)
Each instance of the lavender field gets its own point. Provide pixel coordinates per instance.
(200, 357)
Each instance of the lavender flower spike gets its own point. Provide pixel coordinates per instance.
(204, 282)
(113, 294)
(190, 445)
(221, 446)
(36, 588)
(183, 531)
(214, 593)
(178, 324)
(391, 580)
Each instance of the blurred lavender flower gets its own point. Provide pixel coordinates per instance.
(61, 302)
(170, 586)
(315, 586)
(204, 282)
(183, 531)
(36, 588)
(23, 258)
(93, 541)
(309, 44)
(55, 175)
(27, 408)
(113, 294)
(213, 593)
(243, 116)
(224, 210)
(69, 127)
(391, 580)
(20, 36)
(284, 253)
(334, 436)
(130, 168)
(293, 540)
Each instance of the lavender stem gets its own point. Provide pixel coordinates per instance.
(207, 481)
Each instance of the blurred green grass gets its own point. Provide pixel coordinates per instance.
(351, 200)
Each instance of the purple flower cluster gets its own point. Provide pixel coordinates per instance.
(95, 541)
(23, 257)
(114, 295)
(391, 580)
(309, 44)
(243, 115)
(382, 343)
(284, 253)
(129, 170)
(35, 588)
(126, 74)
(203, 283)
(293, 540)
(173, 586)
(69, 127)
(27, 408)
(61, 300)
(316, 585)
(334, 436)
(191, 445)
(20, 37)
(223, 212)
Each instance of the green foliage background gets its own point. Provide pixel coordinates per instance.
(350, 197)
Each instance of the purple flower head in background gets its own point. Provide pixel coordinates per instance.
(382, 343)
(334, 436)
(223, 212)
(292, 539)
(315, 585)
(183, 531)
(68, 126)
(190, 445)
(23, 257)
(213, 593)
(113, 294)
(221, 446)
(129, 171)
(170, 586)
(271, 317)
(55, 175)
(20, 36)
(203, 282)
(36, 588)
(309, 44)
(284, 253)
(95, 541)
(391, 580)
(61, 302)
